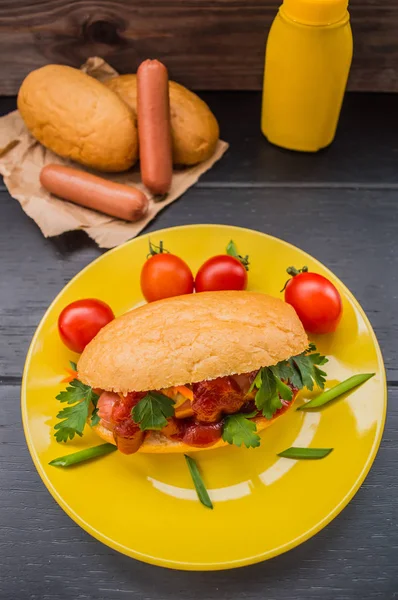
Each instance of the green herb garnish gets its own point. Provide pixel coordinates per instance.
(82, 455)
(267, 398)
(200, 487)
(238, 430)
(95, 418)
(336, 391)
(300, 371)
(305, 453)
(152, 411)
(73, 418)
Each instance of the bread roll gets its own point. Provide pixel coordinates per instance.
(187, 339)
(195, 130)
(79, 118)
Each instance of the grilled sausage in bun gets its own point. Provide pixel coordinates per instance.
(186, 373)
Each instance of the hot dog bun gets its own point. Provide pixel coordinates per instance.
(194, 128)
(77, 117)
(187, 339)
(157, 443)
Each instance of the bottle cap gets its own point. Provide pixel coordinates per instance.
(315, 12)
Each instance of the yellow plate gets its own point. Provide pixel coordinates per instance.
(145, 505)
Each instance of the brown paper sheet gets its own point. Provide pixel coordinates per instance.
(22, 158)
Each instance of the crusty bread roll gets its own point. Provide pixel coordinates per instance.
(77, 117)
(195, 130)
(187, 339)
(156, 442)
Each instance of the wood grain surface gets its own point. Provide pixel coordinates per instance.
(44, 555)
(342, 207)
(319, 221)
(207, 44)
(364, 153)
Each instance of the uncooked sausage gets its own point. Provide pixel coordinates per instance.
(154, 128)
(115, 199)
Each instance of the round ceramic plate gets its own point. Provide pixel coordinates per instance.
(145, 505)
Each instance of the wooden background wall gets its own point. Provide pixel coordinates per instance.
(207, 44)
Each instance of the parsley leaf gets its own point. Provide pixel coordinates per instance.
(310, 373)
(283, 390)
(319, 376)
(238, 430)
(95, 418)
(76, 391)
(73, 365)
(256, 382)
(295, 377)
(300, 371)
(303, 370)
(267, 399)
(283, 370)
(73, 418)
(152, 411)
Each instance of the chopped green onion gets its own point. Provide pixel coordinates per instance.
(305, 453)
(198, 482)
(336, 391)
(82, 455)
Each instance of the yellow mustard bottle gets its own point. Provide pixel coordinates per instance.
(307, 61)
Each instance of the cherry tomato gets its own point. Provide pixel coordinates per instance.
(80, 321)
(165, 275)
(315, 299)
(221, 272)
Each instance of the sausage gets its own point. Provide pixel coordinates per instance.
(115, 199)
(154, 128)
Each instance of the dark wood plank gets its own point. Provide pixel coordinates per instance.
(45, 556)
(353, 232)
(364, 152)
(207, 44)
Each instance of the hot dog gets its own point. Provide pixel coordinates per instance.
(154, 128)
(140, 359)
(114, 199)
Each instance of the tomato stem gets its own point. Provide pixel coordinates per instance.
(292, 271)
(232, 251)
(154, 249)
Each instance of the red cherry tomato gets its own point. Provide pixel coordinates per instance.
(80, 321)
(221, 272)
(315, 299)
(165, 275)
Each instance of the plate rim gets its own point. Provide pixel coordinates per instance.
(192, 566)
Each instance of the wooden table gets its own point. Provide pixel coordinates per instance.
(341, 206)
